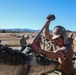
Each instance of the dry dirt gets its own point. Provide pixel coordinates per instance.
(12, 40)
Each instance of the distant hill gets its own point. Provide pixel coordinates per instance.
(23, 30)
(20, 30)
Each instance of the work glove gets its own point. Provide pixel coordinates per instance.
(35, 47)
(50, 17)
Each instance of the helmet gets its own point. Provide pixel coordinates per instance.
(58, 31)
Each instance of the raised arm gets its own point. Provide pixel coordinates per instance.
(49, 18)
(46, 31)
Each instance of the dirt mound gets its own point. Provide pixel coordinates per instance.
(10, 56)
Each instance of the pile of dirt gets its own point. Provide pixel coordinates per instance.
(11, 57)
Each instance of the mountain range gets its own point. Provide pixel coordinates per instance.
(22, 30)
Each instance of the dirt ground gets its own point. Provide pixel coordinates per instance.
(12, 40)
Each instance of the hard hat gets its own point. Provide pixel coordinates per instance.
(58, 31)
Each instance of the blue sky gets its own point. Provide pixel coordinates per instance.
(32, 13)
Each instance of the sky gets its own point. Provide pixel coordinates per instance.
(32, 13)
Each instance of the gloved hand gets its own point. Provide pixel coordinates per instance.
(35, 47)
(50, 17)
